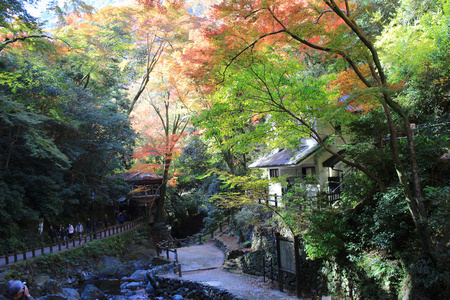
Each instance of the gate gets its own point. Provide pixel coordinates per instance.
(288, 254)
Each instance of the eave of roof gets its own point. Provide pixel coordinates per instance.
(139, 177)
(333, 160)
(285, 157)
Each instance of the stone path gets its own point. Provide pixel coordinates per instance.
(203, 263)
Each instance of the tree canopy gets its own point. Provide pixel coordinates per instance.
(197, 90)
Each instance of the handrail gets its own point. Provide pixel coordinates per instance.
(171, 246)
(16, 256)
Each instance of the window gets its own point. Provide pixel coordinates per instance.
(273, 173)
(308, 171)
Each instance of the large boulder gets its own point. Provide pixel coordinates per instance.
(108, 266)
(91, 292)
(52, 287)
(138, 275)
(71, 294)
(41, 279)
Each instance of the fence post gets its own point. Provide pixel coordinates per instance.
(24, 255)
(59, 245)
(271, 269)
(264, 266)
(167, 252)
(7, 258)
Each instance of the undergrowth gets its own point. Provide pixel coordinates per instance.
(59, 263)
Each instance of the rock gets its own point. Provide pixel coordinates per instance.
(91, 292)
(149, 288)
(138, 275)
(177, 297)
(52, 297)
(41, 279)
(123, 285)
(71, 294)
(108, 266)
(109, 261)
(133, 285)
(163, 269)
(85, 276)
(53, 287)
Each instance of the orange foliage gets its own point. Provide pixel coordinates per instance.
(348, 81)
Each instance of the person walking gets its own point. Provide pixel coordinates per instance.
(106, 221)
(79, 229)
(52, 234)
(88, 225)
(70, 231)
(63, 234)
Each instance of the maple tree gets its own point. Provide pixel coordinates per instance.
(163, 126)
(331, 29)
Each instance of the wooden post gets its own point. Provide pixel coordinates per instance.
(15, 255)
(33, 252)
(176, 255)
(167, 252)
(59, 245)
(24, 255)
(7, 258)
(179, 270)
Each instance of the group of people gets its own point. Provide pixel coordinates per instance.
(62, 233)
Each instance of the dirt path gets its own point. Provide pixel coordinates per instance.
(203, 263)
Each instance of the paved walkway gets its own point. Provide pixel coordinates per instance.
(203, 263)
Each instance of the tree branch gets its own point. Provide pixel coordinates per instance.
(325, 11)
(22, 38)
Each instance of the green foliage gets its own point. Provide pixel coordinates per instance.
(325, 235)
(59, 263)
(58, 141)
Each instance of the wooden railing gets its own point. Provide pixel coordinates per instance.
(277, 200)
(171, 246)
(16, 256)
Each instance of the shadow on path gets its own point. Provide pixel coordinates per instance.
(203, 263)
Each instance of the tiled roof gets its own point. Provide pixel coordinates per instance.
(285, 157)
